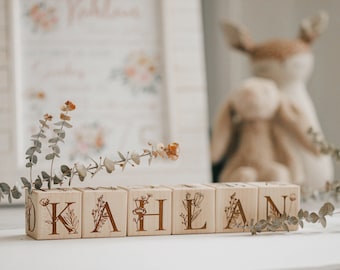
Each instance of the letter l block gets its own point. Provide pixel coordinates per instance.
(193, 209)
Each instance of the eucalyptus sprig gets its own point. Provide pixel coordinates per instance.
(284, 221)
(67, 173)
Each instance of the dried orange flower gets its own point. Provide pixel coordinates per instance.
(172, 151)
(48, 117)
(68, 106)
(65, 117)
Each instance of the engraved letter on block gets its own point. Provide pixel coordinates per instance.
(193, 209)
(149, 210)
(104, 212)
(53, 214)
(236, 206)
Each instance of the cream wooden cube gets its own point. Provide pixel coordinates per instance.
(193, 209)
(236, 206)
(104, 212)
(53, 214)
(276, 199)
(149, 210)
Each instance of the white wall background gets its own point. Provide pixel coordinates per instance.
(265, 20)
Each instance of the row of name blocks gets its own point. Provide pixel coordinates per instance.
(156, 210)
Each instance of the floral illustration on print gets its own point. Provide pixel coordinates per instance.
(89, 139)
(66, 216)
(235, 216)
(43, 17)
(140, 72)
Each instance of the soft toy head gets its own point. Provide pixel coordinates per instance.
(257, 98)
(280, 60)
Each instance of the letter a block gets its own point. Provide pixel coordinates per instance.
(236, 206)
(53, 214)
(149, 210)
(193, 209)
(104, 212)
(277, 199)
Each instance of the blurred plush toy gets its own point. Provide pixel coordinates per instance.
(264, 119)
(289, 63)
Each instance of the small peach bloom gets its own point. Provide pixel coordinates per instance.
(65, 117)
(68, 106)
(44, 202)
(48, 117)
(172, 151)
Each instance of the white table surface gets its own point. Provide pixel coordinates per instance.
(310, 248)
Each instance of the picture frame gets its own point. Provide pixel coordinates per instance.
(185, 117)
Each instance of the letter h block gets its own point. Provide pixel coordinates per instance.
(193, 209)
(236, 206)
(53, 214)
(104, 212)
(277, 199)
(149, 210)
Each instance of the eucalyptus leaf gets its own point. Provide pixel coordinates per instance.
(65, 170)
(121, 155)
(50, 156)
(53, 140)
(45, 175)
(25, 182)
(313, 217)
(300, 214)
(29, 165)
(5, 188)
(31, 150)
(135, 158)
(67, 124)
(323, 222)
(57, 180)
(34, 159)
(16, 194)
(109, 165)
(37, 183)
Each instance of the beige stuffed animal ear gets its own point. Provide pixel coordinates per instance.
(294, 120)
(311, 28)
(237, 37)
(221, 132)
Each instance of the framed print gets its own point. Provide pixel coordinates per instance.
(134, 69)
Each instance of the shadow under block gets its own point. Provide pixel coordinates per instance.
(53, 214)
(104, 212)
(149, 210)
(277, 199)
(193, 209)
(236, 206)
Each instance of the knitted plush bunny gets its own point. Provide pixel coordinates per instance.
(289, 63)
(265, 120)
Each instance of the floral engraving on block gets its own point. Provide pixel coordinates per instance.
(140, 72)
(66, 216)
(235, 216)
(140, 209)
(101, 214)
(192, 208)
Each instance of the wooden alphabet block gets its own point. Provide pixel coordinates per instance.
(193, 209)
(149, 210)
(277, 199)
(104, 212)
(53, 214)
(236, 206)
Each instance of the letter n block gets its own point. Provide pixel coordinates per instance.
(53, 214)
(149, 210)
(193, 209)
(277, 199)
(236, 206)
(104, 212)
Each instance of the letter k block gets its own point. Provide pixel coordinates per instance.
(53, 214)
